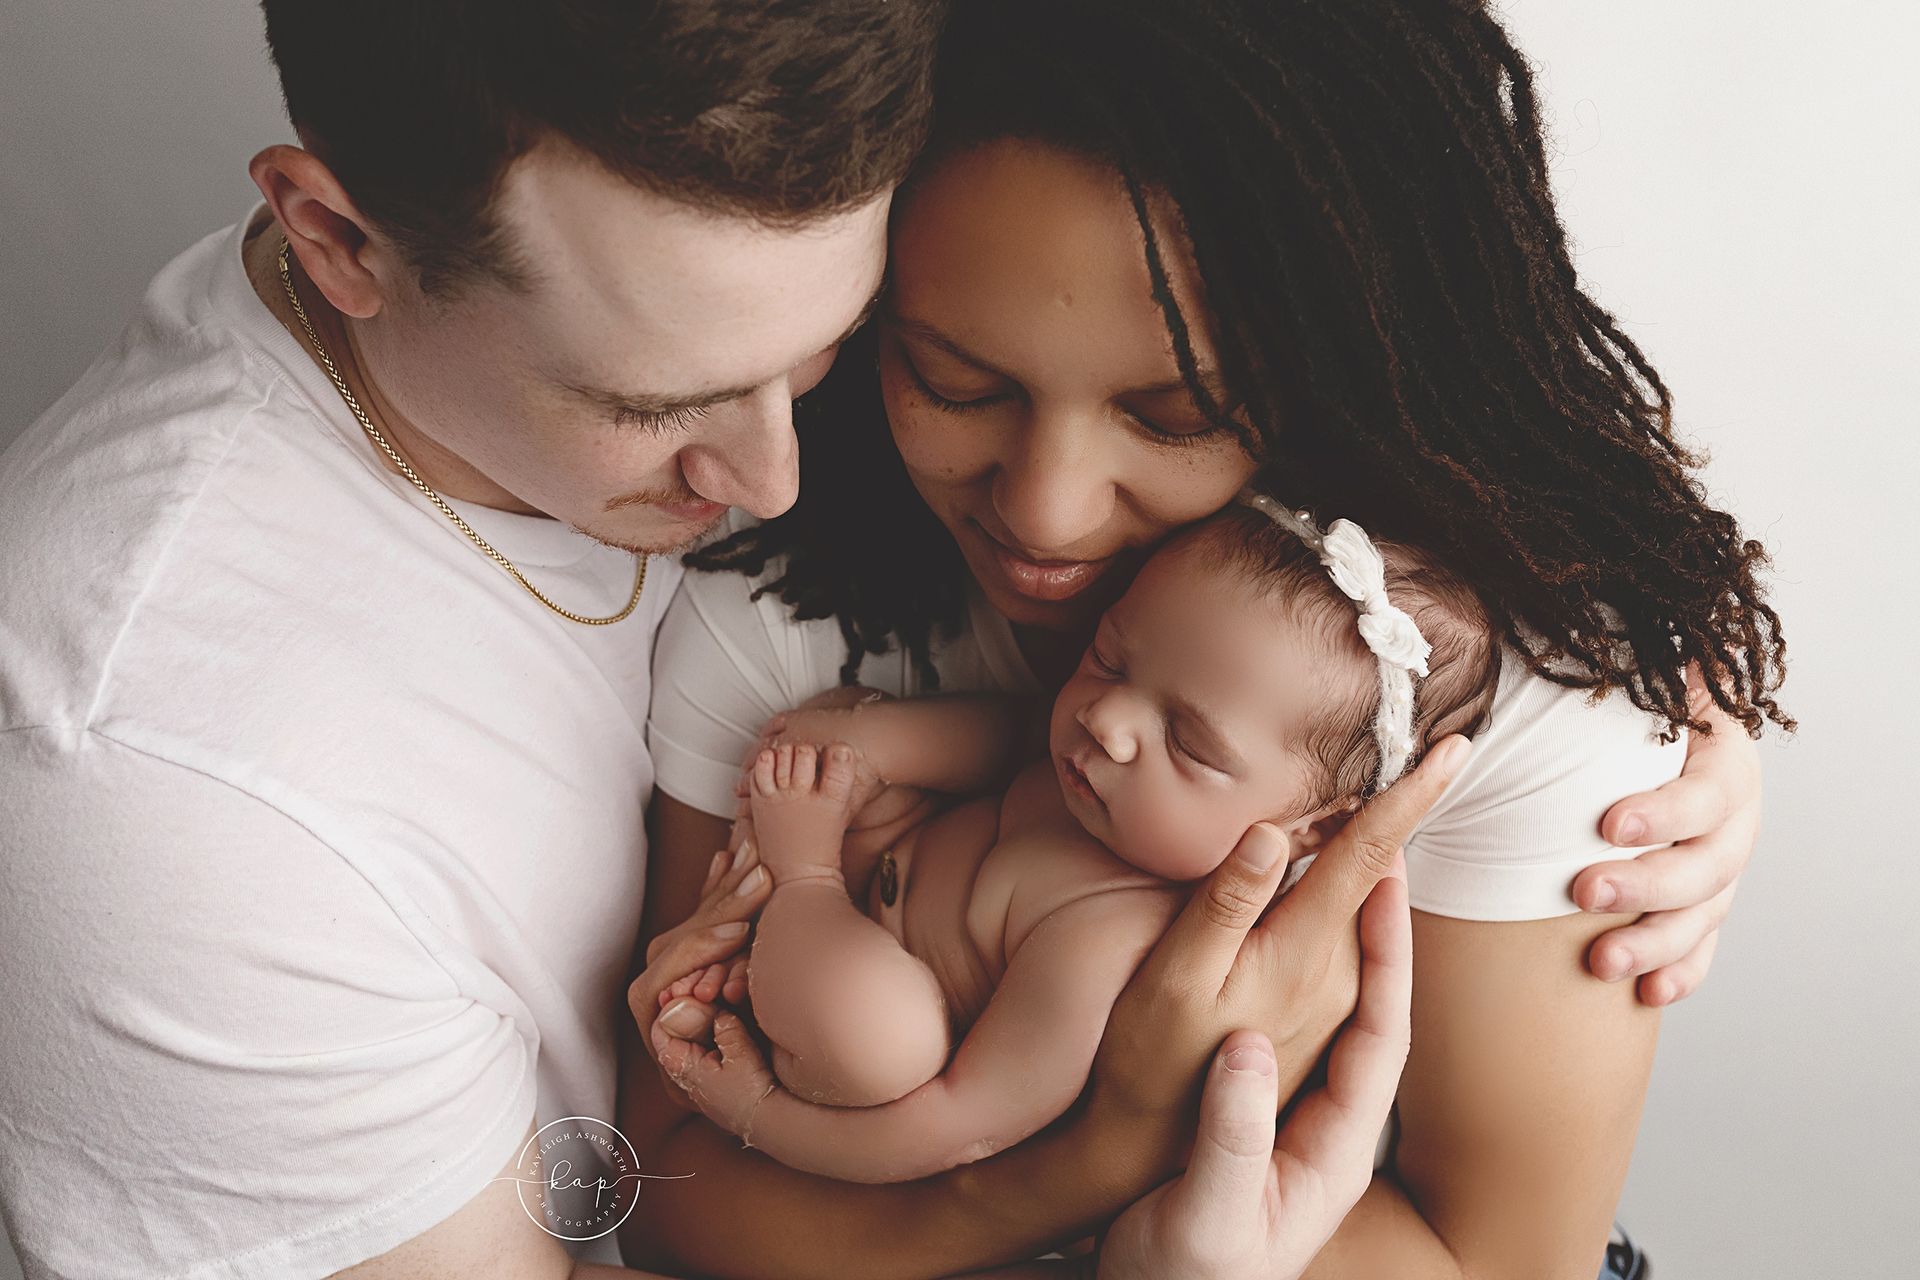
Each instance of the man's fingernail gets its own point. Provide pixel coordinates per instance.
(1632, 830)
(1250, 1057)
(1616, 966)
(680, 1019)
(1604, 896)
(1452, 754)
(719, 861)
(751, 885)
(1262, 847)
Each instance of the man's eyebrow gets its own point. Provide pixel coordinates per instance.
(1209, 378)
(666, 402)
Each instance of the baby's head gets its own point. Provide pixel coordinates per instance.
(1231, 685)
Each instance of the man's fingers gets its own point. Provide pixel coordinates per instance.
(1683, 977)
(1354, 861)
(1665, 879)
(1206, 937)
(1333, 1131)
(1226, 1180)
(1657, 940)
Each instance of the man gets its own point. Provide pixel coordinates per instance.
(323, 848)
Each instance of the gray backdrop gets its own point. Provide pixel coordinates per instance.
(1740, 176)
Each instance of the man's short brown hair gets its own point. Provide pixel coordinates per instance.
(780, 110)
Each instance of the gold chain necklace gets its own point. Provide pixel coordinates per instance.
(373, 433)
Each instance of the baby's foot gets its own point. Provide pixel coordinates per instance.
(802, 800)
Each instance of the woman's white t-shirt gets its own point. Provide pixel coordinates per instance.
(1504, 843)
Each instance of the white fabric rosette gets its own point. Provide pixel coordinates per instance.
(1357, 569)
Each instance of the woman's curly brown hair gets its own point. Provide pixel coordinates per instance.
(1363, 187)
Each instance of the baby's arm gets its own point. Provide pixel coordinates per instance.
(959, 743)
(1021, 1066)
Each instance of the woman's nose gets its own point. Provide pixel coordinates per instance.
(1053, 490)
(1105, 719)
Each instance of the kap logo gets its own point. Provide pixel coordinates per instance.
(579, 1178)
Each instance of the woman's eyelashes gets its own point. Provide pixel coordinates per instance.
(962, 403)
(657, 423)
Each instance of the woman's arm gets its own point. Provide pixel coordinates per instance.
(1518, 1111)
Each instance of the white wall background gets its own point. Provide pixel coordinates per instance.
(1741, 177)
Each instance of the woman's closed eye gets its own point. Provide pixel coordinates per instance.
(952, 399)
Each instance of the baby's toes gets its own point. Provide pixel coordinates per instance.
(838, 773)
(804, 759)
(783, 766)
(765, 778)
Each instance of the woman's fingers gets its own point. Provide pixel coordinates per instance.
(1225, 1185)
(1316, 912)
(1721, 780)
(1667, 879)
(1683, 977)
(1658, 939)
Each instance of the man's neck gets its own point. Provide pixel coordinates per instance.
(448, 474)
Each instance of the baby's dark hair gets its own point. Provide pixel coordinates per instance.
(1463, 668)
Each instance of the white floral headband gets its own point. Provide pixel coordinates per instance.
(1355, 566)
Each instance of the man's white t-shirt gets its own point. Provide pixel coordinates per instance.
(321, 843)
(1504, 843)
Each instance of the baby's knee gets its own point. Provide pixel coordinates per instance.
(876, 1041)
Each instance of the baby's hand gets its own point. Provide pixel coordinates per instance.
(727, 1083)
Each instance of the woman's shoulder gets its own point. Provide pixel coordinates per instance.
(1523, 816)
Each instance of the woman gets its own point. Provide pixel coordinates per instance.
(1157, 252)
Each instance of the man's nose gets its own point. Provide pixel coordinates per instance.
(1105, 719)
(753, 462)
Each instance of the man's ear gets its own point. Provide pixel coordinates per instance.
(334, 242)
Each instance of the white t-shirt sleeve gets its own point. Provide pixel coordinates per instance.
(1523, 817)
(220, 1048)
(723, 665)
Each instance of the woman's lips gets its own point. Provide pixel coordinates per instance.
(1043, 579)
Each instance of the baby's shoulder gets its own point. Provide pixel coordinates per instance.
(1045, 863)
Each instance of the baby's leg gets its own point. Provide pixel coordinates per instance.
(854, 1018)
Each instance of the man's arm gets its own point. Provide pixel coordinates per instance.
(1518, 1110)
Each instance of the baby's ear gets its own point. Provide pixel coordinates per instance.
(1309, 833)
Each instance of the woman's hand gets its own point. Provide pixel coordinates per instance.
(1709, 817)
(1292, 975)
(1251, 1204)
(709, 946)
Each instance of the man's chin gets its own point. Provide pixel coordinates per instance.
(671, 538)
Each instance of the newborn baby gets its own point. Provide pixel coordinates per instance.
(1257, 670)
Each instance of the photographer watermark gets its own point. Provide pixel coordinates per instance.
(579, 1177)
